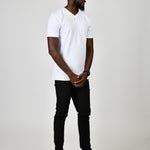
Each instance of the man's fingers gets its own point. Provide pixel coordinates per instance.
(79, 81)
(79, 84)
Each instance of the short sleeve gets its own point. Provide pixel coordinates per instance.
(53, 26)
(90, 30)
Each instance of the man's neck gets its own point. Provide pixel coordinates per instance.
(72, 8)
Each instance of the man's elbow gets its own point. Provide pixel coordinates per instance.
(52, 52)
(49, 52)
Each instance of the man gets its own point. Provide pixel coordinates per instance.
(70, 43)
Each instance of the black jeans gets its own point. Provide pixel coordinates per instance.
(81, 100)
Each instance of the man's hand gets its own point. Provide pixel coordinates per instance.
(73, 78)
(82, 79)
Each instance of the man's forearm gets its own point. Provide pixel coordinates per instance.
(89, 59)
(60, 62)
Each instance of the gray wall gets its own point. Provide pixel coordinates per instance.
(119, 81)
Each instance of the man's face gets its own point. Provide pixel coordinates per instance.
(80, 4)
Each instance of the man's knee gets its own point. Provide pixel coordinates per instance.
(84, 114)
(62, 114)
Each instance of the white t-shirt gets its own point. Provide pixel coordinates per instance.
(72, 31)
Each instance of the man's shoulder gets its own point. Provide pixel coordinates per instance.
(57, 15)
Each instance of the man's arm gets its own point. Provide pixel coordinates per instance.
(53, 51)
(89, 54)
(53, 43)
(88, 62)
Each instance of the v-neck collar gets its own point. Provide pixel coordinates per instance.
(71, 12)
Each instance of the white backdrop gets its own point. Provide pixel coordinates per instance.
(119, 81)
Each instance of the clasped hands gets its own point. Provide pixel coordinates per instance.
(78, 80)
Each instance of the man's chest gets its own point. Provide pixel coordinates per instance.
(74, 25)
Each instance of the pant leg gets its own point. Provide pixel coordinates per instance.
(63, 95)
(81, 100)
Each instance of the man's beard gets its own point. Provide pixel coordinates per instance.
(79, 5)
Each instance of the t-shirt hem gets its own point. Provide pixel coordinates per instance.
(52, 35)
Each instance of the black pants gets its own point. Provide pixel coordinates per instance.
(81, 100)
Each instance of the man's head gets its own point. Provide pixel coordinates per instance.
(80, 4)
